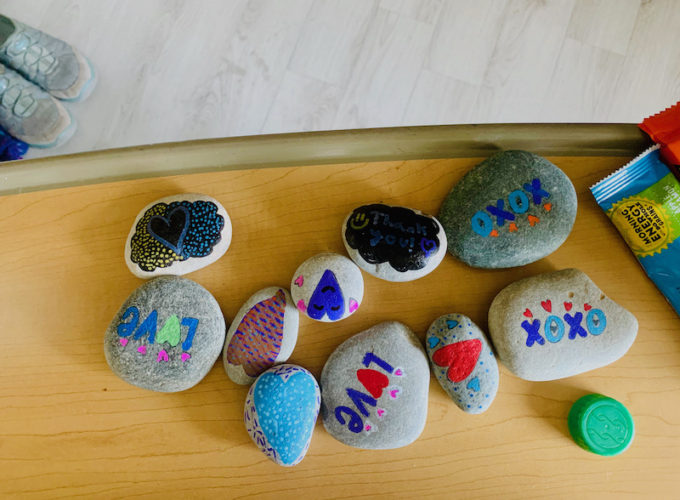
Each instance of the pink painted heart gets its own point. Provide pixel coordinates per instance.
(185, 356)
(162, 356)
(142, 349)
(353, 305)
(299, 281)
(123, 342)
(398, 372)
(394, 393)
(301, 305)
(368, 427)
(380, 412)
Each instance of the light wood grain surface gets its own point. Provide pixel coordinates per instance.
(193, 69)
(70, 428)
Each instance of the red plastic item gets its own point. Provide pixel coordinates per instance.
(664, 129)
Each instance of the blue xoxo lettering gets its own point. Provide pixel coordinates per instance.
(554, 327)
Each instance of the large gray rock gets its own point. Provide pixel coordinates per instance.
(166, 336)
(374, 388)
(558, 324)
(263, 333)
(394, 243)
(510, 210)
(463, 362)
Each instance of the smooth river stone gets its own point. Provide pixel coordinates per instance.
(327, 287)
(463, 362)
(280, 413)
(166, 336)
(394, 243)
(558, 324)
(263, 333)
(510, 210)
(374, 388)
(177, 235)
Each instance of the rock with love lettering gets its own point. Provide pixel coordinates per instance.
(263, 333)
(394, 243)
(374, 388)
(177, 235)
(463, 362)
(558, 324)
(327, 287)
(510, 210)
(166, 336)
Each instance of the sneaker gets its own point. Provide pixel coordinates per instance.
(30, 114)
(46, 61)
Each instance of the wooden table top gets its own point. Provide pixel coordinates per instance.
(71, 428)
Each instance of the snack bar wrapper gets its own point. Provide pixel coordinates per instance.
(642, 199)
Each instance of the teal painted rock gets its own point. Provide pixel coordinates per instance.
(463, 362)
(558, 324)
(510, 210)
(280, 413)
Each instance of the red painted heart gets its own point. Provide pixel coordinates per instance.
(587, 307)
(567, 306)
(460, 357)
(547, 305)
(527, 313)
(373, 381)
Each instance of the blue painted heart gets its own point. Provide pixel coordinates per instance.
(473, 384)
(432, 342)
(171, 230)
(327, 299)
(290, 404)
(451, 324)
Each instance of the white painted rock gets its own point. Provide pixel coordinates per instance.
(394, 243)
(263, 333)
(558, 324)
(327, 287)
(177, 235)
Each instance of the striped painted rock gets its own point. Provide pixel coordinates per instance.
(263, 333)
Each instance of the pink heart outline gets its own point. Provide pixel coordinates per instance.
(380, 412)
(394, 392)
(301, 305)
(162, 355)
(141, 349)
(353, 305)
(123, 342)
(299, 281)
(185, 356)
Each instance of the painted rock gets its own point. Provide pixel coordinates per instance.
(263, 333)
(394, 243)
(177, 235)
(327, 287)
(166, 336)
(375, 387)
(510, 210)
(280, 413)
(463, 362)
(558, 324)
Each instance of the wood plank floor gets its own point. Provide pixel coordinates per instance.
(179, 70)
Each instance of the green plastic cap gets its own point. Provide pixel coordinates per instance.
(601, 425)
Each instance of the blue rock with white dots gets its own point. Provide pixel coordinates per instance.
(463, 362)
(281, 411)
(510, 210)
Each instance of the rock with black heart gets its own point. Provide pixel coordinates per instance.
(510, 210)
(263, 333)
(166, 336)
(280, 413)
(463, 362)
(558, 324)
(394, 243)
(327, 287)
(177, 235)
(374, 388)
